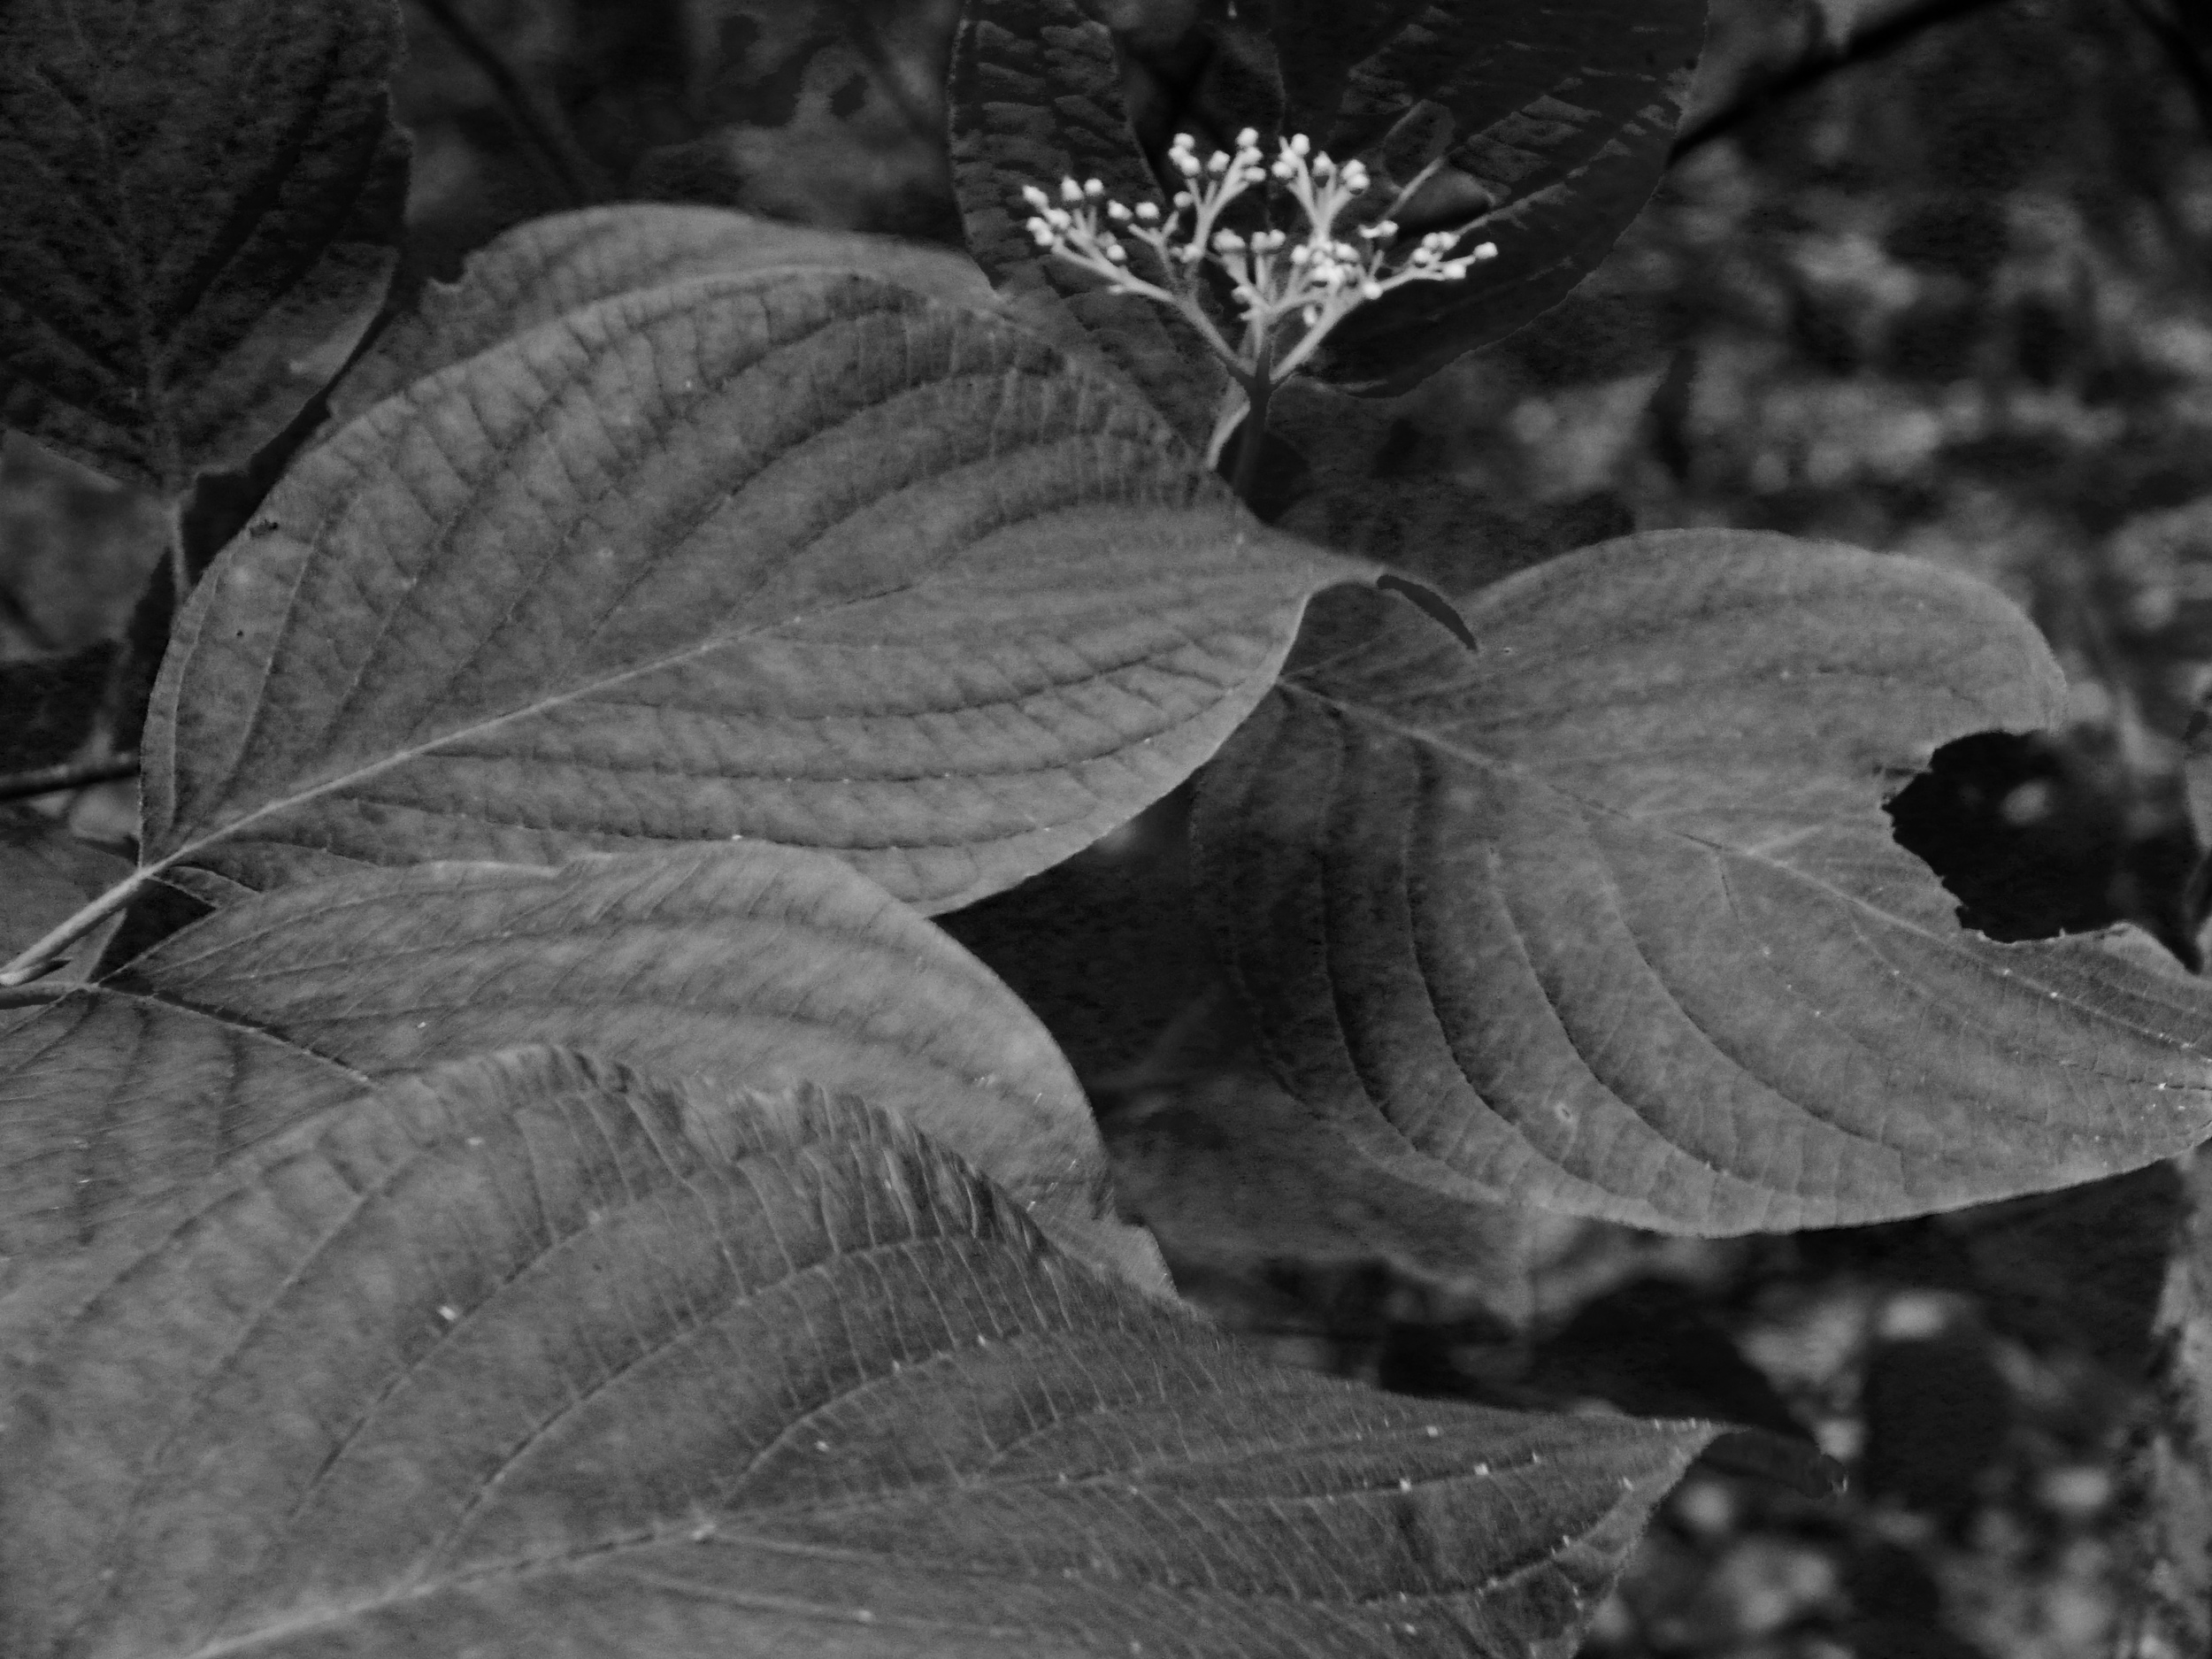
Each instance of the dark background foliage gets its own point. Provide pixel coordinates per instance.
(1945, 296)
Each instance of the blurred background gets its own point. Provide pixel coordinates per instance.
(1926, 278)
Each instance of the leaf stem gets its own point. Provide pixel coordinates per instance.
(68, 774)
(39, 957)
(1252, 441)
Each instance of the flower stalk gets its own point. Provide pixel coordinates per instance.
(1290, 291)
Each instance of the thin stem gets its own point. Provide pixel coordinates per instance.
(39, 957)
(1253, 441)
(1884, 37)
(561, 154)
(177, 558)
(69, 774)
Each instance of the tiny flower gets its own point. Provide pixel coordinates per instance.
(1292, 286)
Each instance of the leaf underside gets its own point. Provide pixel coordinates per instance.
(1610, 919)
(797, 557)
(754, 961)
(533, 1356)
(201, 204)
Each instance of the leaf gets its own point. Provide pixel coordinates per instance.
(199, 198)
(800, 558)
(532, 1355)
(1381, 481)
(46, 872)
(1234, 1177)
(754, 960)
(1231, 1175)
(1553, 123)
(546, 268)
(108, 1100)
(1610, 919)
(1036, 98)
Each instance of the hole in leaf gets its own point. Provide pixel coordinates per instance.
(2048, 834)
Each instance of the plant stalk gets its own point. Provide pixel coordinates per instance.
(39, 956)
(68, 774)
(1252, 441)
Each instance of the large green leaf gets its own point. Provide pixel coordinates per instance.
(200, 205)
(1610, 919)
(755, 961)
(109, 1099)
(531, 1357)
(797, 557)
(1036, 98)
(545, 266)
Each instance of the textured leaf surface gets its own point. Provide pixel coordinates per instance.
(754, 961)
(1609, 918)
(1036, 98)
(199, 197)
(565, 261)
(108, 1099)
(807, 559)
(1553, 122)
(532, 1357)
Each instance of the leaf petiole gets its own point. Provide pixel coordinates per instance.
(39, 957)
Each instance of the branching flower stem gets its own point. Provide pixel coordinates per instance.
(1290, 294)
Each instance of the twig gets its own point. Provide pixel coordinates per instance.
(1884, 37)
(559, 151)
(69, 774)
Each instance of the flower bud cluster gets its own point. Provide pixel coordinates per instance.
(1291, 289)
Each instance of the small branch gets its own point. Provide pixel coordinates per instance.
(542, 132)
(1868, 44)
(71, 775)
